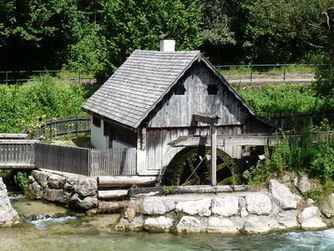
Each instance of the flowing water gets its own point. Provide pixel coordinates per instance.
(59, 230)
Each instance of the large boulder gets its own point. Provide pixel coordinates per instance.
(303, 184)
(56, 181)
(190, 224)
(221, 225)
(327, 206)
(227, 206)
(34, 191)
(134, 225)
(83, 204)
(287, 219)
(55, 195)
(157, 205)
(158, 224)
(258, 203)
(260, 224)
(86, 187)
(310, 219)
(282, 195)
(195, 207)
(8, 216)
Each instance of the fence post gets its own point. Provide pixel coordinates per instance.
(79, 76)
(284, 73)
(6, 73)
(251, 72)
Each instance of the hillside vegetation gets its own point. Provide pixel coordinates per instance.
(24, 105)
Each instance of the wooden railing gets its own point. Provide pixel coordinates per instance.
(17, 153)
(61, 126)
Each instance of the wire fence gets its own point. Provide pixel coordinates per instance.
(26, 76)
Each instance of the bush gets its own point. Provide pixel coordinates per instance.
(23, 106)
(21, 179)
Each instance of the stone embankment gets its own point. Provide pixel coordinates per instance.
(78, 192)
(271, 209)
(8, 216)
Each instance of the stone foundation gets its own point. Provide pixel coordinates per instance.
(272, 209)
(78, 192)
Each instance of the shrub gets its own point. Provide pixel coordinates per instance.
(21, 179)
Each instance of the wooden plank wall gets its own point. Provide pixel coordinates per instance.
(115, 162)
(17, 153)
(159, 153)
(179, 109)
(62, 158)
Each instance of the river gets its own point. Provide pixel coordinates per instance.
(64, 231)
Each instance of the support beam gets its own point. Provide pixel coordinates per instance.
(213, 130)
(125, 181)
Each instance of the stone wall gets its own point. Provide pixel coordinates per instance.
(8, 215)
(78, 192)
(275, 208)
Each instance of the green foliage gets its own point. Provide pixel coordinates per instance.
(287, 98)
(21, 179)
(304, 155)
(168, 189)
(23, 106)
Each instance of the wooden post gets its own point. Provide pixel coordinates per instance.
(213, 130)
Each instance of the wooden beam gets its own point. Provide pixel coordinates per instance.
(213, 131)
(222, 140)
(112, 194)
(125, 181)
(206, 118)
(13, 135)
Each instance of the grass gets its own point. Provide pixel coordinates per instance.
(285, 98)
(78, 141)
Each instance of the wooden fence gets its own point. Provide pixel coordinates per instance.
(84, 161)
(62, 158)
(17, 153)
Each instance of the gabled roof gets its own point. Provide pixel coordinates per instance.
(141, 82)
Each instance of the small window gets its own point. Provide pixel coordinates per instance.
(180, 90)
(106, 128)
(96, 121)
(212, 89)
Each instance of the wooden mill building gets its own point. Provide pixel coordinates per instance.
(151, 101)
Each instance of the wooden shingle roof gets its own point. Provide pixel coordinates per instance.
(140, 83)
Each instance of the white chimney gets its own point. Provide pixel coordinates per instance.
(167, 45)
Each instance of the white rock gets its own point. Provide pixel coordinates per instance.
(304, 184)
(310, 218)
(260, 224)
(197, 207)
(158, 224)
(135, 225)
(243, 212)
(189, 224)
(221, 225)
(282, 195)
(310, 201)
(258, 203)
(8, 216)
(287, 219)
(226, 206)
(327, 206)
(153, 206)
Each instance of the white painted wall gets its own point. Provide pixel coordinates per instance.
(98, 140)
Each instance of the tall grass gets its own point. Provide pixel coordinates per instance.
(287, 98)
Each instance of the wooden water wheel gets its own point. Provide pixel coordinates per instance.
(191, 166)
